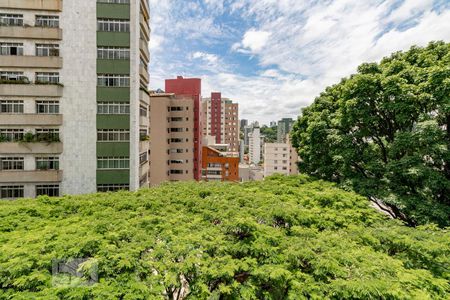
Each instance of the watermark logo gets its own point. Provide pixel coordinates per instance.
(74, 272)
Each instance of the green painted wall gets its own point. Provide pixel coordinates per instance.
(113, 176)
(105, 149)
(113, 122)
(113, 94)
(115, 39)
(113, 11)
(109, 66)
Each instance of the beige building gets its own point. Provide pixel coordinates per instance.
(171, 138)
(72, 106)
(280, 158)
(221, 120)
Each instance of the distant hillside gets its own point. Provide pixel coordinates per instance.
(284, 238)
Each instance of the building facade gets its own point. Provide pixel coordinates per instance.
(171, 138)
(255, 146)
(280, 158)
(219, 166)
(191, 88)
(72, 103)
(221, 120)
(283, 129)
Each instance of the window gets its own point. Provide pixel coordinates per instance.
(12, 76)
(176, 108)
(143, 134)
(11, 48)
(113, 108)
(47, 135)
(176, 172)
(11, 163)
(11, 20)
(113, 53)
(176, 129)
(47, 21)
(103, 188)
(143, 158)
(142, 111)
(176, 119)
(114, 1)
(176, 140)
(46, 77)
(47, 50)
(113, 25)
(47, 107)
(11, 191)
(214, 165)
(110, 135)
(11, 135)
(51, 190)
(176, 150)
(111, 80)
(143, 180)
(106, 163)
(176, 161)
(47, 163)
(11, 107)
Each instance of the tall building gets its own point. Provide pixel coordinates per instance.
(191, 88)
(243, 123)
(221, 120)
(171, 138)
(73, 106)
(283, 129)
(280, 158)
(219, 165)
(255, 146)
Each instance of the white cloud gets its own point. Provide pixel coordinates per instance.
(297, 48)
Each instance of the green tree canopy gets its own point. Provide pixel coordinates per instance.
(385, 132)
(284, 238)
(270, 133)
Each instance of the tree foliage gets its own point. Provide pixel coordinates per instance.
(270, 133)
(385, 132)
(284, 238)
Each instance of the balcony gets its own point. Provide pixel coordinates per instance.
(145, 9)
(31, 148)
(30, 119)
(51, 5)
(144, 169)
(36, 176)
(144, 121)
(31, 90)
(144, 97)
(28, 32)
(43, 62)
(144, 26)
(144, 74)
(143, 45)
(144, 146)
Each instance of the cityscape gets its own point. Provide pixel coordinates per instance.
(224, 149)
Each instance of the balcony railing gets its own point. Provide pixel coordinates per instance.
(30, 176)
(25, 61)
(50, 5)
(31, 119)
(29, 32)
(31, 90)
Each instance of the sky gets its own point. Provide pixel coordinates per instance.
(274, 57)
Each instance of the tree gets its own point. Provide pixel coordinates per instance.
(282, 238)
(270, 133)
(385, 133)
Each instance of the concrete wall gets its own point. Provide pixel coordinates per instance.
(78, 104)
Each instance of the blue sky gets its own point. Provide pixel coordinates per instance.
(276, 56)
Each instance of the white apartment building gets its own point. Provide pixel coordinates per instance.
(256, 146)
(280, 158)
(73, 106)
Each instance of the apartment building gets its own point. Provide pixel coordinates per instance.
(280, 158)
(171, 138)
(283, 129)
(255, 145)
(219, 165)
(191, 88)
(73, 101)
(221, 120)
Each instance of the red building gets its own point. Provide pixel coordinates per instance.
(192, 88)
(219, 166)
